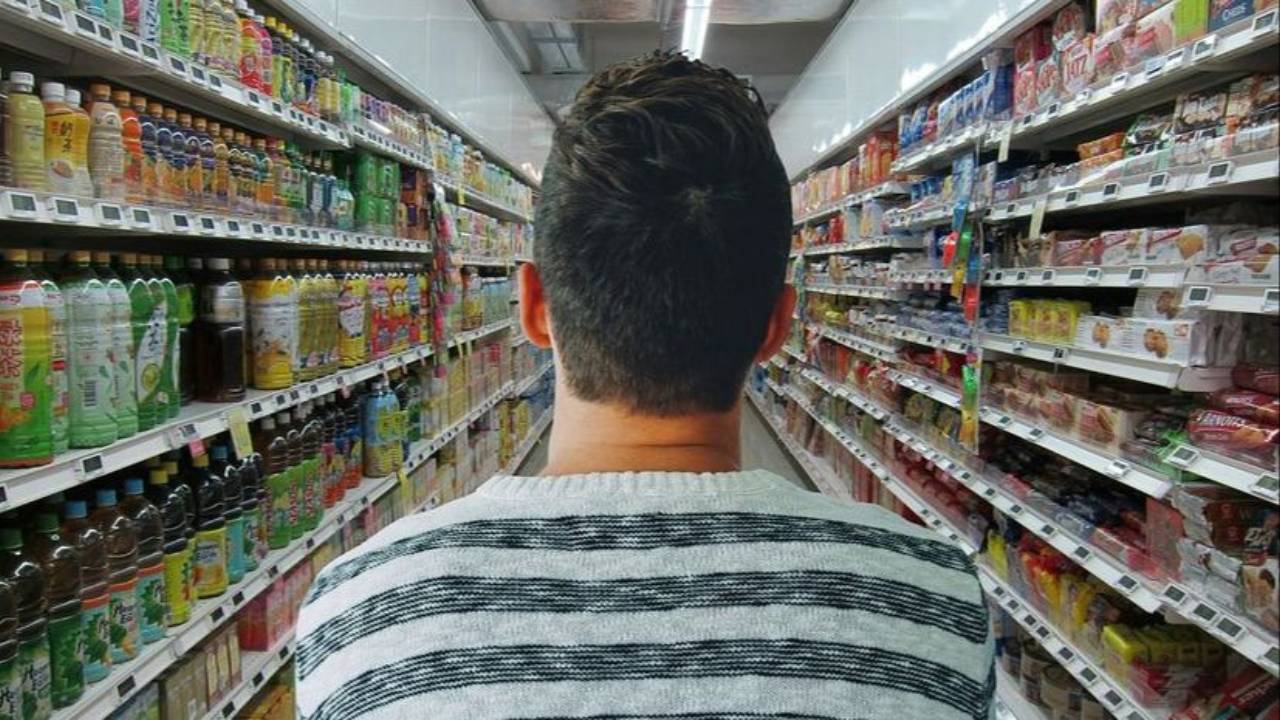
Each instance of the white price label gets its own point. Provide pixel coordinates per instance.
(1218, 173)
(1271, 300)
(140, 218)
(108, 214)
(1072, 197)
(179, 222)
(1111, 191)
(1203, 47)
(1197, 296)
(1137, 276)
(1092, 276)
(1157, 182)
(150, 53)
(1265, 22)
(129, 45)
(20, 204)
(51, 11)
(1175, 58)
(65, 210)
(84, 25)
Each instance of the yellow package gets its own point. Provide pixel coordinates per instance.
(1044, 320)
(1162, 646)
(1123, 647)
(1019, 312)
(997, 554)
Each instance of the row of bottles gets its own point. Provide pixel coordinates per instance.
(122, 147)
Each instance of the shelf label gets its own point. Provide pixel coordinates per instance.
(21, 5)
(1117, 468)
(233, 228)
(1066, 654)
(1174, 594)
(1175, 58)
(1267, 483)
(177, 66)
(1197, 296)
(277, 108)
(215, 82)
(291, 233)
(140, 218)
(150, 53)
(107, 36)
(1018, 346)
(65, 210)
(258, 230)
(1111, 191)
(208, 226)
(1047, 276)
(1137, 276)
(1153, 66)
(1021, 277)
(1157, 182)
(1204, 613)
(1092, 276)
(51, 11)
(229, 709)
(179, 222)
(84, 25)
(277, 232)
(1204, 46)
(1218, 173)
(238, 424)
(129, 44)
(1082, 554)
(1035, 433)
(126, 687)
(20, 204)
(198, 74)
(1127, 584)
(1271, 300)
(1230, 628)
(108, 214)
(1073, 197)
(1265, 22)
(92, 466)
(1118, 81)
(252, 97)
(1183, 456)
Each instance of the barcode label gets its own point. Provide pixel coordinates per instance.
(90, 389)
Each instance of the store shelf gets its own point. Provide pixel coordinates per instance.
(931, 276)
(885, 189)
(867, 291)
(365, 135)
(536, 432)
(1154, 372)
(815, 471)
(877, 350)
(940, 152)
(87, 217)
(882, 242)
(941, 393)
(920, 337)
(196, 421)
(523, 386)
(1245, 477)
(1134, 276)
(478, 201)
(256, 668)
(907, 219)
(1011, 704)
(481, 261)
(49, 30)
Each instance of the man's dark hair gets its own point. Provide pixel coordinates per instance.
(662, 235)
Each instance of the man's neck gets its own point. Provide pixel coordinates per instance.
(590, 437)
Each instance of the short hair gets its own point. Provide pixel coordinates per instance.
(662, 235)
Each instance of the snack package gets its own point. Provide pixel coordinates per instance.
(1249, 404)
(1254, 377)
(1068, 26)
(1077, 65)
(1110, 50)
(1114, 13)
(1163, 304)
(1184, 342)
(1032, 46)
(1057, 409)
(1205, 109)
(1103, 424)
(1073, 251)
(1225, 12)
(1190, 244)
(1153, 35)
(1233, 436)
(1120, 247)
(1048, 81)
(1190, 20)
(1098, 332)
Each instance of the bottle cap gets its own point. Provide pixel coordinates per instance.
(75, 509)
(22, 78)
(133, 485)
(105, 497)
(158, 477)
(100, 91)
(200, 461)
(46, 522)
(53, 91)
(10, 538)
(73, 97)
(219, 452)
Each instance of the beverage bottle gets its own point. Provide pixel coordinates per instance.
(352, 405)
(313, 481)
(229, 60)
(90, 367)
(266, 67)
(60, 395)
(10, 682)
(194, 188)
(308, 360)
(95, 599)
(61, 133)
(163, 151)
(24, 134)
(250, 49)
(290, 426)
(122, 346)
(60, 563)
(344, 205)
(182, 27)
(274, 448)
(413, 296)
(147, 131)
(106, 145)
(280, 180)
(80, 143)
(277, 55)
(379, 327)
(149, 525)
(265, 178)
(121, 538)
(113, 12)
(131, 16)
(179, 580)
(245, 274)
(315, 190)
(353, 303)
(6, 166)
(254, 547)
(403, 315)
(168, 292)
(288, 91)
(171, 467)
(233, 169)
(232, 510)
(247, 186)
(26, 577)
(147, 329)
(149, 21)
(329, 471)
(273, 312)
(328, 317)
(176, 152)
(221, 167)
(208, 162)
(210, 565)
(185, 291)
(131, 156)
(382, 432)
(220, 336)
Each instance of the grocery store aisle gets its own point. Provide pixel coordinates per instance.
(761, 450)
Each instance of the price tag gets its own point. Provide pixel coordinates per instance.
(215, 82)
(179, 222)
(1157, 182)
(1082, 554)
(238, 424)
(1047, 276)
(1175, 58)
(1153, 66)
(1137, 276)
(198, 74)
(1271, 300)
(108, 214)
(277, 232)
(1037, 216)
(258, 230)
(65, 210)
(234, 228)
(126, 687)
(208, 226)
(140, 218)
(1117, 468)
(107, 35)
(1112, 698)
(92, 466)
(84, 25)
(1035, 433)
(1060, 354)
(20, 5)
(177, 66)
(1092, 276)
(291, 233)
(1006, 139)
(1265, 22)
(51, 11)
(252, 97)
(1110, 191)
(1229, 628)
(277, 108)
(1021, 277)
(150, 53)
(1267, 483)
(1204, 613)
(229, 709)
(1052, 111)
(1197, 296)
(1118, 81)
(1018, 346)
(1203, 47)
(1072, 197)
(1218, 173)
(20, 204)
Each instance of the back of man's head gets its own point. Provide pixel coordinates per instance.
(662, 236)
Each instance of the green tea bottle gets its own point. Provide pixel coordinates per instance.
(90, 371)
(26, 394)
(179, 582)
(10, 683)
(149, 526)
(122, 349)
(60, 561)
(290, 425)
(95, 599)
(147, 322)
(251, 502)
(169, 377)
(57, 348)
(122, 563)
(313, 479)
(186, 293)
(27, 579)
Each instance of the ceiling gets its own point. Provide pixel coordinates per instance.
(558, 44)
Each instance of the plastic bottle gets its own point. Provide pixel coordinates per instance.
(149, 21)
(382, 432)
(90, 367)
(353, 302)
(62, 137)
(329, 471)
(181, 26)
(211, 529)
(232, 176)
(247, 184)
(149, 525)
(122, 347)
(168, 397)
(185, 291)
(147, 132)
(273, 310)
(220, 336)
(26, 577)
(175, 150)
(279, 179)
(131, 156)
(95, 598)
(60, 561)
(179, 580)
(24, 134)
(121, 539)
(194, 188)
(274, 448)
(163, 152)
(254, 546)
(265, 179)
(10, 683)
(290, 425)
(59, 419)
(328, 299)
(187, 496)
(229, 56)
(352, 405)
(308, 324)
(312, 436)
(277, 55)
(6, 166)
(250, 70)
(233, 510)
(379, 314)
(106, 145)
(113, 13)
(221, 167)
(208, 162)
(147, 326)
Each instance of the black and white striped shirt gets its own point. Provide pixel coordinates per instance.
(645, 596)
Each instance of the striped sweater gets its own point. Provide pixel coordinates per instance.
(645, 596)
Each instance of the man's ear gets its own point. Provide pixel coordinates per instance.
(779, 326)
(533, 306)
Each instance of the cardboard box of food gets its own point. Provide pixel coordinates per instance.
(1184, 342)
(1099, 332)
(1171, 246)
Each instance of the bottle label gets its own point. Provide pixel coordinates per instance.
(222, 304)
(178, 582)
(58, 363)
(124, 620)
(25, 393)
(250, 541)
(273, 311)
(352, 345)
(10, 688)
(149, 364)
(280, 522)
(95, 624)
(211, 562)
(151, 603)
(312, 491)
(235, 547)
(297, 502)
(331, 481)
(122, 352)
(92, 381)
(66, 667)
(36, 680)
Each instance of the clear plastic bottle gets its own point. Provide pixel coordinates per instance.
(208, 163)
(308, 320)
(90, 370)
(148, 330)
(247, 184)
(185, 290)
(383, 432)
(254, 547)
(25, 576)
(131, 156)
(175, 150)
(169, 396)
(95, 599)
(10, 683)
(220, 336)
(328, 318)
(353, 303)
(163, 157)
(66, 143)
(122, 347)
(59, 419)
(106, 145)
(148, 128)
(194, 166)
(149, 524)
(271, 443)
(232, 510)
(149, 21)
(60, 561)
(234, 165)
(290, 427)
(211, 529)
(121, 539)
(179, 580)
(353, 409)
(265, 179)
(187, 496)
(273, 309)
(24, 134)
(330, 470)
(6, 167)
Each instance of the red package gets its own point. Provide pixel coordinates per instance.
(1254, 377)
(1232, 436)
(1068, 26)
(1032, 46)
(1249, 404)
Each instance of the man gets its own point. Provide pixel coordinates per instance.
(644, 575)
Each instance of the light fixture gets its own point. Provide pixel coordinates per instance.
(697, 13)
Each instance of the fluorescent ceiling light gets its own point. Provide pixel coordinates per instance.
(697, 13)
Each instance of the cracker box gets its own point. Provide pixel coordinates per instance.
(1098, 332)
(1163, 304)
(1183, 342)
(1103, 424)
(1226, 12)
(1120, 247)
(1173, 246)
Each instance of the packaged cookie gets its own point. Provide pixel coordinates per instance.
(1048, 81)
(1190, 244)
(1100, 332)
(1032, 46)
(1249, 404)
(1105, 425)
(1153, 35)
(1110, 49)
(1072, 251)
(1182, 342)
(1233, 436)
(1163, 304)
(1226, 12)
(1068, 26)
(1120, 247)
(1111, 14)
(1077, 65)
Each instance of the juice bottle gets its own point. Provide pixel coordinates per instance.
(413, 299)
(250, 70)
(121, 538)
(274, 448)
(221, 167)
(328, 295)
(24, 134)
(312, 433)
(169, 376)
(291, 427)
(382, 431)
(233, 169)
(265, 178)
(247, 185)
(233, 510)
(179, 580)
(266, 66)
(379, 327)
(147, 323)
(90, 362)
(131, 16)
(273, 311)
(176, 152)
(113, 13)
(220, 336)
(60, 136)
(106, 145)
(163, 151)
(208, 163)
(131, 156)
(195, 166)
(308, 359)
(176, 25)
(10, 683)
(185, 291)
(353, 409)
(229, 56)
(211, 529)
(353, 303)
(254, 546)
(329, 472)
(60, 562)
(6, 166)
(95, 599)
(57, 350)
(122, 348)
(183, 491)
(26, 577)
(277, 55)
(147, 130)
(149, 525)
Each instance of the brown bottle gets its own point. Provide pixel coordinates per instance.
(220, 336)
